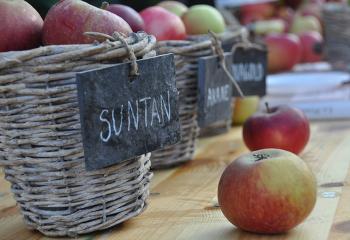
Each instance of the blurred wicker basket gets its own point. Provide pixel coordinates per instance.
(336, 19)
(41, 141)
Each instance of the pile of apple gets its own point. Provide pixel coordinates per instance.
(68, 20)
(292, 30)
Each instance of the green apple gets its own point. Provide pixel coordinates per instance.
(201, 18)
(303, 24)
(175, 7)
(244, 108)
(269, 26)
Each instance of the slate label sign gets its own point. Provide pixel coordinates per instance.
(249, 70)
(215, 91)
(122, 116)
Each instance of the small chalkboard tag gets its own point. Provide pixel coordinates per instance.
(215, 91)
(125, 116)
(249, 70)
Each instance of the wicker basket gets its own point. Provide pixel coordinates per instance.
(337, 34)
(41, 141)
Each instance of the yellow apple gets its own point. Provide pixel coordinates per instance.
(244, 108)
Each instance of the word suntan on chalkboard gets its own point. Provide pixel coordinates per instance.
(126, 116)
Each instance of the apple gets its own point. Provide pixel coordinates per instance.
(311, 9)
(258, 10)
(287, 15)
(68, 20)
(305, 24)
(163, 24)
(284, 51)
(281, 127)
(132, 17)
(244, 108)
(311, 44)
(268, 191)
(268, 26)
(21, 26)
(175, 7)
(201, 18)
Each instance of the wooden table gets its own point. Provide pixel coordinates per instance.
(181, 203)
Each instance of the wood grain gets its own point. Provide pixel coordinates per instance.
(181, 205)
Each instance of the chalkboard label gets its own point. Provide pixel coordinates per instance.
(215, 91)
(125, 116)
(249, 70)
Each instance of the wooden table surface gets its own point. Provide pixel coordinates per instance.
(181, 202)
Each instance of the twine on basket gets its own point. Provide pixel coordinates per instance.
(220, 52)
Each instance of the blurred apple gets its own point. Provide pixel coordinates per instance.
(305, 24)
(175, 7)
(287, 15)
(201, 18)
(284, 51)
(67, 21)
(268, 26)
(244, 108)
(259, 10)
(132, 17)
(21, 26)
(311, 9)
(163, 24)
(311, 44)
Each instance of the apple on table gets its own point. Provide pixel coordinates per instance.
(312, 46)
(281, 127)
(268, 191)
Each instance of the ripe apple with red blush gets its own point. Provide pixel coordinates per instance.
(281, 127)
(21, 26)
(163, 24)
(284, 51)
(68, 20)
(127, 13)
(312, 46)
(269, 191)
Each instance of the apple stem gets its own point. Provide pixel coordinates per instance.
(104, 5)
(260, 157)
(267, 107)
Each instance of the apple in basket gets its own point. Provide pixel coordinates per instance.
(21, 26)
(68, 20)
(268, 191)
(281, 127)
(163, 24)
(201, 18)
(175, 7)
(132, 17)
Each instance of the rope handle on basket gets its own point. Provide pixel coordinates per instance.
(245, 42)
(120, 37)
(220, 52)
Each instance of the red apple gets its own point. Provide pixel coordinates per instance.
(263, 10)
(268, 191)
(132, 17)
(281, 127)
(67, 21)
(21, 26)
(163, 24)
(311, 43)
(175, 7)
(284, 51)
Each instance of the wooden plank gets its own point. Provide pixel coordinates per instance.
(181, 206)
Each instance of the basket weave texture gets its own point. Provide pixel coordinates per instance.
(336, 19)
(41, 143)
